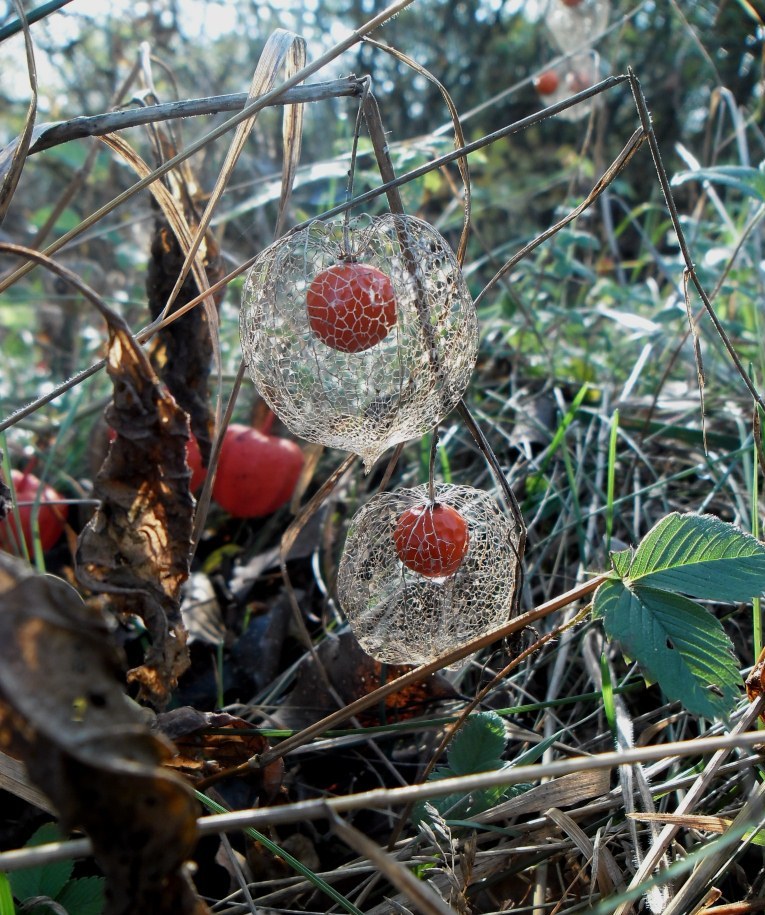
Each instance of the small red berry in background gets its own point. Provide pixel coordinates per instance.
(431, 539)
(571, 2)
(194, 460)
(351, 307)
(257, 473)
(51, 516)
(577, 81)
(546, 83)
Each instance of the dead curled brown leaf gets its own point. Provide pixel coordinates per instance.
(88, 747)
(137, 545)
(202, 755)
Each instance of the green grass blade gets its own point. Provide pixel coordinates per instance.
(6, 897)
(611, 479)
(296, 865)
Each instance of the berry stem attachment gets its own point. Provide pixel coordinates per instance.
(432, 466)
(366, 82)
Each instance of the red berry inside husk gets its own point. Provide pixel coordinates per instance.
(546, 83)
(431, 539)
(351, 307)
(51, 516)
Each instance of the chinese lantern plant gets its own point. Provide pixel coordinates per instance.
(547, 83)
(257, 472)
(426, 570)
(51, 515)
(359, 335)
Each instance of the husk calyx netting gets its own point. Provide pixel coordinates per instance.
(359, 336)
(401, 616)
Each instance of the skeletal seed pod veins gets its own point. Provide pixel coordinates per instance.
(431, 539)
(351, 306)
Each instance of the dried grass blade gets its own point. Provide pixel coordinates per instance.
(606, 871)
(657, 850)
(459, 136)
(182, 231)
(425, 899)
(271, 60)
(256, 105)
(11, 177)
(14, 780)
(292, 133)
(567, 791)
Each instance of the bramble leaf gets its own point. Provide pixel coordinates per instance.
(679, 644)
(701, 556)
(84, 896)
(479, 745)
(44, 879)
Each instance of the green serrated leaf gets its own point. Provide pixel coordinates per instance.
(702, 556)
(6, 896)
(479, 745)
(621, 562)
(679, 644)
(84, 896)
(45, 879)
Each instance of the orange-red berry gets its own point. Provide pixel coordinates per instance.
(572, 2)
(257, 473)
(546, 83)
(431, 539)
(51, 516)
(351, 307)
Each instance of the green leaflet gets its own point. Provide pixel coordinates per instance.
(678, 643)
(701, 556)
(478, 745)
(43, 879)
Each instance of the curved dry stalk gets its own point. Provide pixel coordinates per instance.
(633, 145)
(46, 136)
(384, 188)
(282, 49)
(247, 112)
(426, 670)
(459, 136)
(381, 798)
(674, 215)
(11, 176)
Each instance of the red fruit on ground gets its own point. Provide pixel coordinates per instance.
(546, 83)
(257, 473)
(51, 516)
(351, 307)
(431, 539)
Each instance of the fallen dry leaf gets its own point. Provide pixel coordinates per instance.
(136, 547)
(201, 755)
(88, 747)
(352, 673)
(182, 352)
